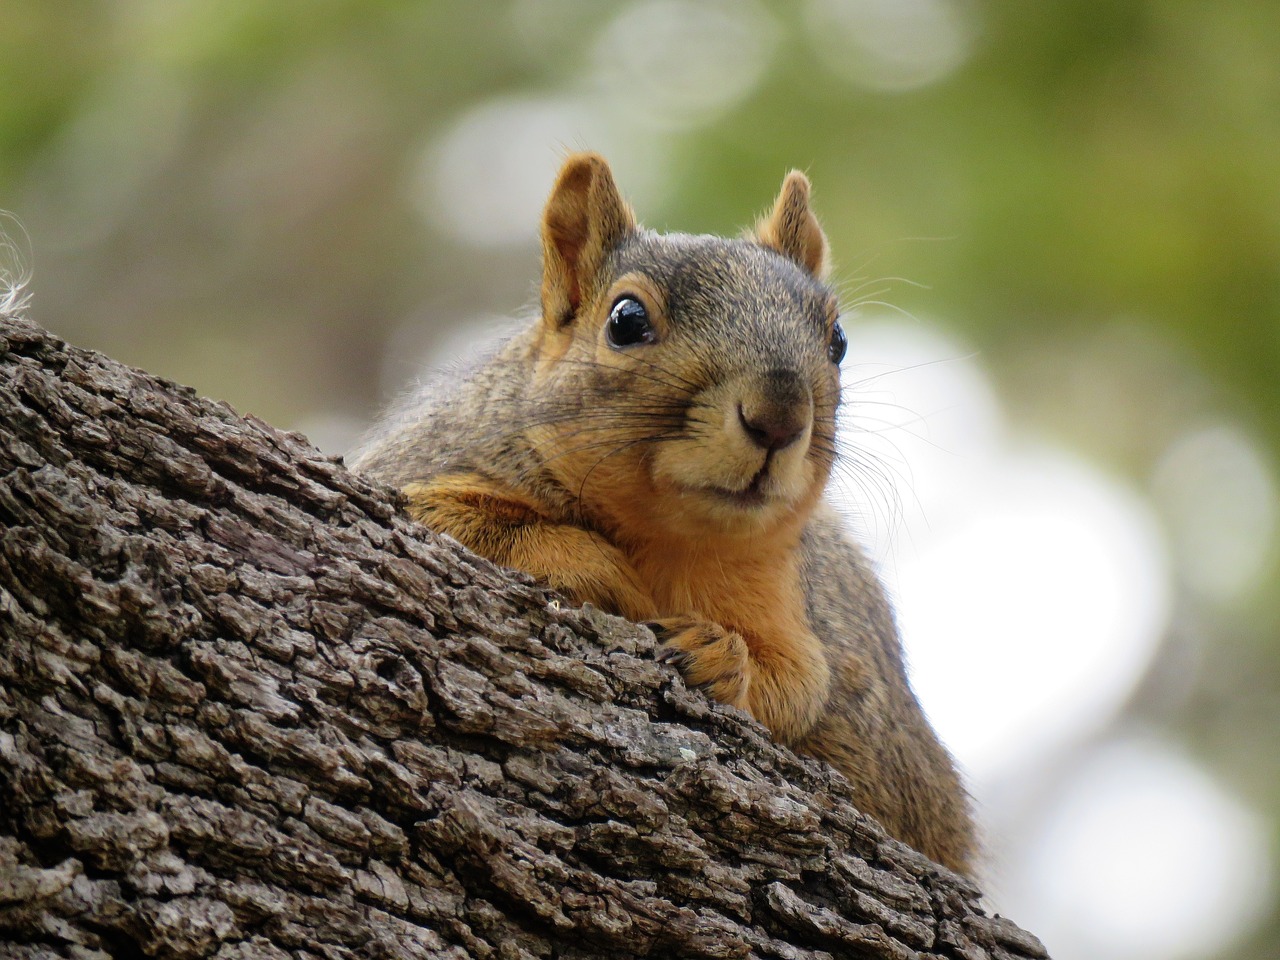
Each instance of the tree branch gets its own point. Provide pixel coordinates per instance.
(248, 709)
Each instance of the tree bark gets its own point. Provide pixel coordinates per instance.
(247, 709)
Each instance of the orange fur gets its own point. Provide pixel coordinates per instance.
(741, 598)
(509, 529)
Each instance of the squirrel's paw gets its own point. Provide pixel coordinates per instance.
(708, 655)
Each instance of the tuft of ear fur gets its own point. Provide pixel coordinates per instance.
(585, 218)
(792, 229)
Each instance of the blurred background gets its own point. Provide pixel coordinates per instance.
(1057, 231)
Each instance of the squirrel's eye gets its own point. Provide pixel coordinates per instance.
(628, 324)
(838, 344)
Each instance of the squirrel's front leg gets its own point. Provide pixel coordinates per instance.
(781, 679)
(508, 529)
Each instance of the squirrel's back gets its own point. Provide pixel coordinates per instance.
(445, 424)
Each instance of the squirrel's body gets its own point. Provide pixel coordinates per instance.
(658, 444)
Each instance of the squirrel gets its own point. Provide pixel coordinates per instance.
(657, 443)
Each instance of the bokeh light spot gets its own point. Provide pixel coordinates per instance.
(675, 64)
(1142, 856)
(890, 45)
(485, 180)
(1218, 498)
(1030, 619)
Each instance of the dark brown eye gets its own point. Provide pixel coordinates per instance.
(628, 324)
(838, 344)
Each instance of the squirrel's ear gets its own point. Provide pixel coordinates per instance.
(792, 229)
(584, 220)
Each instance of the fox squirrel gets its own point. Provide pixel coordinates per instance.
(658, 443)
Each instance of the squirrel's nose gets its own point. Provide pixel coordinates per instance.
(771, 429)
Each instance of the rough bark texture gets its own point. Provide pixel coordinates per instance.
(248, 709)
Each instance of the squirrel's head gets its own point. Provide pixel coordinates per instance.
(696, 378)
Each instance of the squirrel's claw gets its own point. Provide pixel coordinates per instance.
(672, 655)
(707, 655)
(666, 653)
